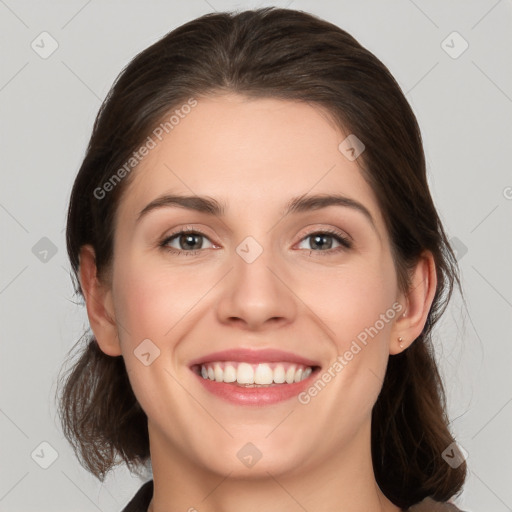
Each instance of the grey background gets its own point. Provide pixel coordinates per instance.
(464, 107)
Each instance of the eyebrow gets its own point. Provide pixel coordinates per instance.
(298, 204)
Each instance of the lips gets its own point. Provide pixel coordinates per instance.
(254, 357)
(254, 377)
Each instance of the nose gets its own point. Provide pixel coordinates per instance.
(257, 295)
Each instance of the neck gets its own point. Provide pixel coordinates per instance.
(342, 483)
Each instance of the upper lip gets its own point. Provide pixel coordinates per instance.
(254, 356)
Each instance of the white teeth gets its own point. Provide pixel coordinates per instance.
(245, 374)
(262, 374)
(290, 374)
(279, 374)
(229, 373)
(219, 373)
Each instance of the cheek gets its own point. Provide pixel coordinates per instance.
(151, 303)
(358, 307)
(152, 299)
(356, 302)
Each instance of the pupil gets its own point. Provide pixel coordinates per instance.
(322, 243)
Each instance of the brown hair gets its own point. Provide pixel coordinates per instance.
(290, 55)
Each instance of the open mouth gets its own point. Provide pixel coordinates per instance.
(255, 375)
(250, 377)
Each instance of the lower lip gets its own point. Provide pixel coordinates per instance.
(265, 395)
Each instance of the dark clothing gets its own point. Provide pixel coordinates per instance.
(140, 502)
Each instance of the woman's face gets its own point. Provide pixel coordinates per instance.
(259, 290)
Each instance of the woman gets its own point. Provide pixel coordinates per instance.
(262, 265)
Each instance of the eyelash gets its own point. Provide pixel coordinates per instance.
(344, 241)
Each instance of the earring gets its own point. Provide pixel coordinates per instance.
(400, 341)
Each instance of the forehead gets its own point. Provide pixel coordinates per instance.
(249, 154)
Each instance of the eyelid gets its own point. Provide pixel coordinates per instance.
(330, 229)
(186, 228)
(192, 229)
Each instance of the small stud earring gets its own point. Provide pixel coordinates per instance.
(400, 341)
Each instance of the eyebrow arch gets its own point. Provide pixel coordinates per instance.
(298, 204)
(198, 203)
(315, 202)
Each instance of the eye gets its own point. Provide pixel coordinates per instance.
(322, 241)
(192, 242)
(185, 241)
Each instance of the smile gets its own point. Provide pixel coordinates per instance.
(254, 377)
(261, 374)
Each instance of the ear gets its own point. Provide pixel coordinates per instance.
(98, 299)
(418, 301)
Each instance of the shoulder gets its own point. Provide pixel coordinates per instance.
(429, 505)
(140, 502)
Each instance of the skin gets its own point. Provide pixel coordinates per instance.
(254, 155)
